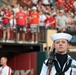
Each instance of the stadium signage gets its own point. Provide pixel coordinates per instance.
(21, 72)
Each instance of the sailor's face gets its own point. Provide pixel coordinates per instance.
(61, 46)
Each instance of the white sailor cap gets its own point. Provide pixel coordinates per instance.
(34, 8)
(65, 36)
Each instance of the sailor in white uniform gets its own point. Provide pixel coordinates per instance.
(4, 69)
(63, 64)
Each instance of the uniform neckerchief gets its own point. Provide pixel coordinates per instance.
(59, 70)
(60, 57)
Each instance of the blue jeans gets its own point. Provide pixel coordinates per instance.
(6, 25)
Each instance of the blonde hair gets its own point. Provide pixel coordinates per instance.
(5, 58)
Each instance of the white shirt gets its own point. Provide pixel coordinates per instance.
(5, 70)
(74, 4)
(61, 21)
(68, 21)
(42, 18)
(45, 2)
(53, 70)
(1, 13)
(16, 10)
(34, 1)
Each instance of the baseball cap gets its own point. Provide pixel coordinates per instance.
(34, 8)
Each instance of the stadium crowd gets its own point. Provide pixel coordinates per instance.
(60, 15)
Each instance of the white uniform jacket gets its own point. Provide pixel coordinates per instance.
(5, 70)
(71, 69)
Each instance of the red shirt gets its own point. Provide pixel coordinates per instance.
(6, 20)
(21, 20)
(68, 5)
(35, 18)
(60, 2)
(50, 19)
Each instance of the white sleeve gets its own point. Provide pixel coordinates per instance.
(74, 65)
(44, 69)
(44, 18)
(66, 19)
(57, 19)
(8, 71)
